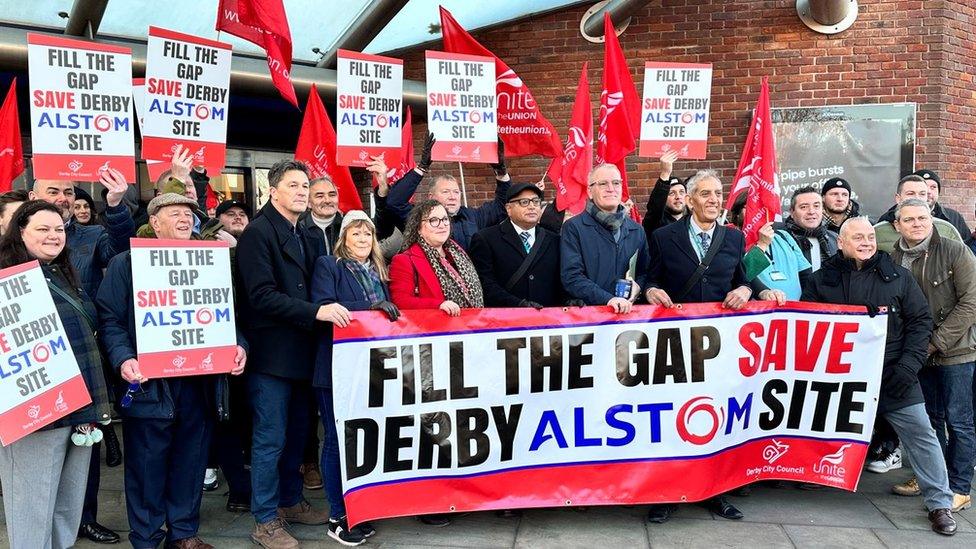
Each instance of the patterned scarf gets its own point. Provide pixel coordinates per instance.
(458, 279)
(801, 235)
(368, 279)
(612, 221)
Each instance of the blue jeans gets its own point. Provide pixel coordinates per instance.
(918, 439)
(280, 425)
(331, 468)
(948, 394)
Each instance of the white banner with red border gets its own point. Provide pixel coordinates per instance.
(184, 307)
(462, 107)
(82, 120)
(674, 111)
(369, 108)
(40, 382)
(187, 96)
(513, 408)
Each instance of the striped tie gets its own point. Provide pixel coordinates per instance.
(525, 241)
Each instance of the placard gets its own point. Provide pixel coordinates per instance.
(82, 121)
(184, 307)
(154, 167)
(462, 107)
(369, 108)
(39, 377)
(187, 94)
(674, 112)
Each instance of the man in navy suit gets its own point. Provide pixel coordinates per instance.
(677, 253)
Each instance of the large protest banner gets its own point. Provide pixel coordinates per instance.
(508, 408)
(187, 89)
(369, 101)
(674, 112)
(81, 108)
(461, 108)
(39, 377)
(184, 307)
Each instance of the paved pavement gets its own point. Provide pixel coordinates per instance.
(775, 517)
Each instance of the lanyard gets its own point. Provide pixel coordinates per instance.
(696, 242)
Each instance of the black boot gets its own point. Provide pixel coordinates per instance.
(113, 452)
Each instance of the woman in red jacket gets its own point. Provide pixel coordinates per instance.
(433, 272)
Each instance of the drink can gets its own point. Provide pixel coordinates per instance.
(622, 288)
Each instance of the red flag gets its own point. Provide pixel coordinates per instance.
(521, 124)
(317, 148)
(11, 147)
(619, 107)
(212, 199)
(757, 172)
(570, 171)
(407, 163)
(263, 23)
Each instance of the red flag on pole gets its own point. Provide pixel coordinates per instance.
(619, 107)
(757, 172)
(521, 124)
(11, 147)
(395, 173)
(570, 170)
(212, 199)
(317, 148)
(263, 23)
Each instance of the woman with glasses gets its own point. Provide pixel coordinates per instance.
(354, 279)
(44, 474)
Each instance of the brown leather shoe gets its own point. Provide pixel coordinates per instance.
(272, 535)
(189, 543)
(303, 514)
(311, 476)
(942, 522)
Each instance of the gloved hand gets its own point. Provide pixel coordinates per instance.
(533, 304)
(898, 381)
(388, 308)
(499, 166)
(425, 160)
(575, 303)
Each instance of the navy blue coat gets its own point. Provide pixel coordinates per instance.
(674, 260)
(333, 284)
(93, 246)
(591, 261)
(465, 223)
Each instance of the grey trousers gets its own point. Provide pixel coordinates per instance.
(918, 439)
(44, 477)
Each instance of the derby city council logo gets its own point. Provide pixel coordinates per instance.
(774, 450)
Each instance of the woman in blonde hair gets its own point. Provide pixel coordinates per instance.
(355, 278)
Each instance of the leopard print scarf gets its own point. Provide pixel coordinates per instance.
(463, 286)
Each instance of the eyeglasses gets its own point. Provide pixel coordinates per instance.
(130, 393)
(616, 183)
(437, 221)
(526, 202)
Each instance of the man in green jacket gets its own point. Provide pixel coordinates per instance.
(910, 186)
(946, 271)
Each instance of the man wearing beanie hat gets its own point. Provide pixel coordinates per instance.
(838, 204)
(942, 212)
(666, 203)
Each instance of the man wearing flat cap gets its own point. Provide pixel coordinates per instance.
(168, 422)
(517, 259)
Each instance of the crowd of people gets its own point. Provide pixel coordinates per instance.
(300, 266)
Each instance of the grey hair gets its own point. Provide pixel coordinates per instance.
(863, 218)
(598, 167)
(911, 202)
(701, 175)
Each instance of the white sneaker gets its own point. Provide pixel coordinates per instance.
(887, 461)
(210, 480)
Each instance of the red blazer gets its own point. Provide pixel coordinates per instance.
(413, 284)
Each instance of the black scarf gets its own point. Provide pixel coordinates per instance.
(801, 235)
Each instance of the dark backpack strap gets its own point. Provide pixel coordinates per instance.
(74, 303)
(713, 250)
(526, 261)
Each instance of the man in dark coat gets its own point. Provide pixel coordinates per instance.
(861, 275)
(323, 217)
(167, 427)
(275, 258)
(465, 221)
(944, 212)
(666, 203)
(498, 253)
(837, 203)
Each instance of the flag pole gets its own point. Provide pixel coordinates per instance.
(464, 193)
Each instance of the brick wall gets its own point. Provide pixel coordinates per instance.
(897, 51)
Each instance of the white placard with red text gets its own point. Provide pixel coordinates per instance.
(82, 120)
(369, 108)
(187, 95)
(155, 167)
(461, 107)
(39, 377)
(674, 112)
(184, 307)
